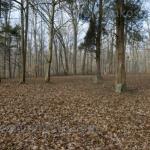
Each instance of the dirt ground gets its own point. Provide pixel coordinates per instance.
(74, 113)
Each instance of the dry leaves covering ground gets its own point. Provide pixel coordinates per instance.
(76, 114)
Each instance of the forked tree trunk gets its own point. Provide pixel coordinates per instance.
(64, 46)
(120, 48)
(66, 71)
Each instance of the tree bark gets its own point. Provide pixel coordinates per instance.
(111, 55)
(23, 42)
(75, 32)
(51, 38)
(35, 44)
(66, 61)
(83, 62)
(120, 48)
(56, 58)
(5, 44)
(98, 42)
(24, 37)
(91, 63)
(9, 59)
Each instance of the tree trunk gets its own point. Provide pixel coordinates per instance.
(51, 38)
(83, 63)
(111, 55)
(75, 32)
(56, 58)
(9, 62)
(87, 63)
(91, 63)
(9, 55)
(14, 69)
(120, 48)
(66, 61)
(98, 42)
(5, 44)
(23, 43)
(41, 52)
(35, 44)
(24, 37)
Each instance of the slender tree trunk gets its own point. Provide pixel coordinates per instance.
(91, 63)
(23, 43)
(4, 71)
(51, 38)
(75, 32)
(30, 54)
(9, 55)
(66, 61)
(56, 58)
(9, 62)
(5, 42)
(16, 57)
(42, 50)
(35, 44)
(87, 59)
(61, 60)
(14, 69)
(61, 63)
(66, 71)
(98, 42)
(24, 37)
(64, 48)
(111, 55)
(120, 48)
(83, 62)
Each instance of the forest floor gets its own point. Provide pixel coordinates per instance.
(74, 113)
